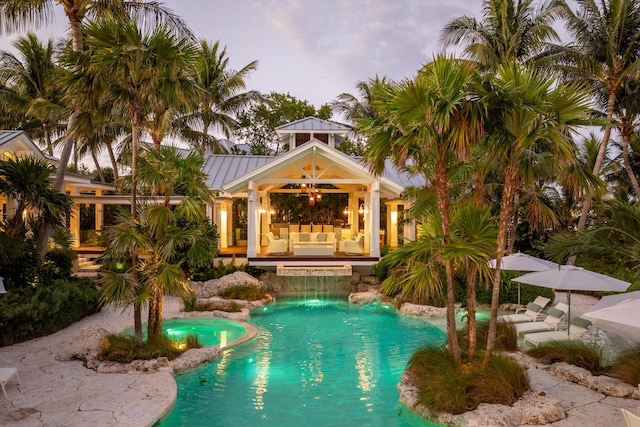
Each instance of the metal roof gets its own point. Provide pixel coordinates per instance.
(309, 124)
(223, 168)
(7, 136)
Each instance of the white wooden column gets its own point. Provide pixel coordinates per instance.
(74, 223)
(99, 214)
(367, 222)
(252, 222)
(263, 218)
(229, 226)
(374, 219)
(392, 224)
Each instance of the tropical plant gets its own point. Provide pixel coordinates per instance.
(431, 121)
(16, 15)
(510, 31)
(605, 52)
(32, 90)
(162, 247)
(27, 181)
(221, 98)
(529, 123)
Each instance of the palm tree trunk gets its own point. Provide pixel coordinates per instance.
(471, 313)
(47, 137)
(626, 138)
(134, 164)
(513, 226)
(443, 207)
(602, 151)
(506, 207)
(114, 163)
(98, 168)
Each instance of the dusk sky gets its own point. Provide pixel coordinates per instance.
(315, 49)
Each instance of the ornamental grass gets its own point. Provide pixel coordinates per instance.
(447, 387)
(572, 352)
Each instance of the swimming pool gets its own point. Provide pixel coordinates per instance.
(317, 363)
(210, 331)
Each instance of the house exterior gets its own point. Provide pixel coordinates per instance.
(257, 198)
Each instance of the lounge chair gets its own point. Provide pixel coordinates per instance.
(632, 419)
(550, 323)
(532, 313)
(577, 329)
(5, 376)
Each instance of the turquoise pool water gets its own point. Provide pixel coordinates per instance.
(317, 363)
(210, 332)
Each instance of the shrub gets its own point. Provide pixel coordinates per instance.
(447, 387)
(122, 348)
(508, 291)
(63, 258)
(626, 367)
(575, 353)
(245, 292)
(32, 312)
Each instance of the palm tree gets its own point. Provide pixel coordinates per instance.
(354, 108)
(128, 67)
(221, 98)
(26, 181)
(157, 233)
(16, 15)
(510, 30)
(604, 53)
(32, 79)
(628, 109)
(431, 121)
(529, 124)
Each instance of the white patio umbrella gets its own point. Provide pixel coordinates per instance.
(571, 278)
(621, 317)
(523, 262)
(609, 300)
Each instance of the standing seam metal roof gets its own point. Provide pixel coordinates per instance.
(222, 169)
(312, 124)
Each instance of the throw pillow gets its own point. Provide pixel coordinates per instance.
(304, 237)
(322, 237)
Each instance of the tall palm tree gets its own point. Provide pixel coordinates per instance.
(510, 30)
(16, 15)
(32, 79)
(431, 121)
(628, 111)
(129, 67)
(529, 124)
(221, 97)
(168, 247)
(355, 107)
(604, 53)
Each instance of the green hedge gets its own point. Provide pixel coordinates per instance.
(37, 311)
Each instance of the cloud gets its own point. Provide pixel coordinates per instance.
(359, 39)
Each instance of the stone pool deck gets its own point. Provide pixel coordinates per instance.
(55, 393)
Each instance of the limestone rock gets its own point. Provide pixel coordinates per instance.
(354, 280)
(195, 357)
(368, 283)
(492, 415)
(240, 316)
(363, 298)
(272, 282)
(636, 393)
(84, 345)
(215, 287)
(569, 372)
(148, 366)
(537, 407)
(611, 386)
(416, 310)
(409, 394)
(112, 368)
